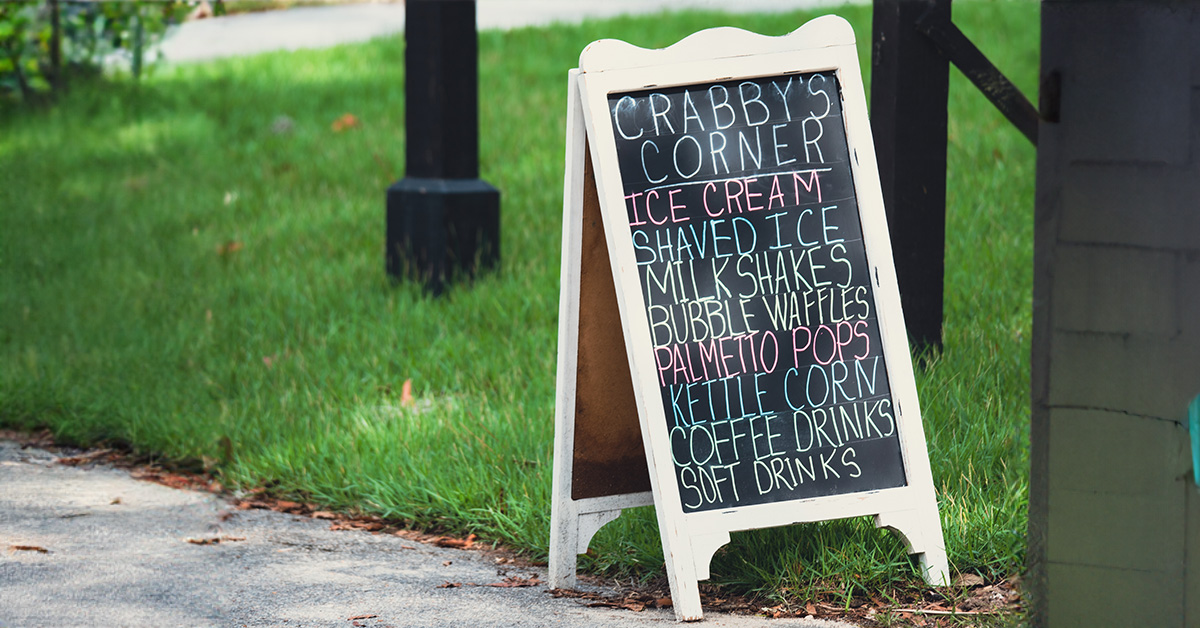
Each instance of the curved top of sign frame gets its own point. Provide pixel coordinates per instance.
(715, 43)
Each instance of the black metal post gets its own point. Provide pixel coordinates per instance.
(442, 219)
(909, 86)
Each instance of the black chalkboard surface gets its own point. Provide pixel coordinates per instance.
(746, 234)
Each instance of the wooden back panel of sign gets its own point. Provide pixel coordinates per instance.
(607, 456)
(752, 271)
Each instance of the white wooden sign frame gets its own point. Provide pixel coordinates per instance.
(690, 539)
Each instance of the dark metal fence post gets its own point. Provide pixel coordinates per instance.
(909, 86)
(442, 219)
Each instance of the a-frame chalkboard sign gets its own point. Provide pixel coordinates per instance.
(731, 345)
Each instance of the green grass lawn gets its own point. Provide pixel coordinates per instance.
(193, 266)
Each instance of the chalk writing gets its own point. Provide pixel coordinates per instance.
(746, 235)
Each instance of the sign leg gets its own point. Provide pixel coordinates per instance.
(922, 532)
(564, 516)
(564, 539)
(681, 571)
(578, 511)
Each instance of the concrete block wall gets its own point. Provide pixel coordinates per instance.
(1114, 515)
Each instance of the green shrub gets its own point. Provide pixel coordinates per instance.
(42, 43)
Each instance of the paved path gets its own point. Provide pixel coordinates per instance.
(117, 554)
(318, 27)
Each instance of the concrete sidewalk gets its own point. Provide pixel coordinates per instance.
(319, 27)
(95, 547)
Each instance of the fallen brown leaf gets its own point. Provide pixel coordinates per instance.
(772, 611)
(91, 456)
(369, 526)
(177, 481)
(968, 580)
(232, 246)
(214, 540)
(513, 582)
(448, 541)
(323, 514)
(406, 396)
(356, 617)
(449, 585)
(347, 121)
(29, 548)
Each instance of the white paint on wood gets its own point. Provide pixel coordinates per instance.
(564, 515)
(703, 548)
(724, 42)
(915, 528)
(589, 524)
(614, 502)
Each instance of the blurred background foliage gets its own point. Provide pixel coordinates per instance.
(43, 45)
